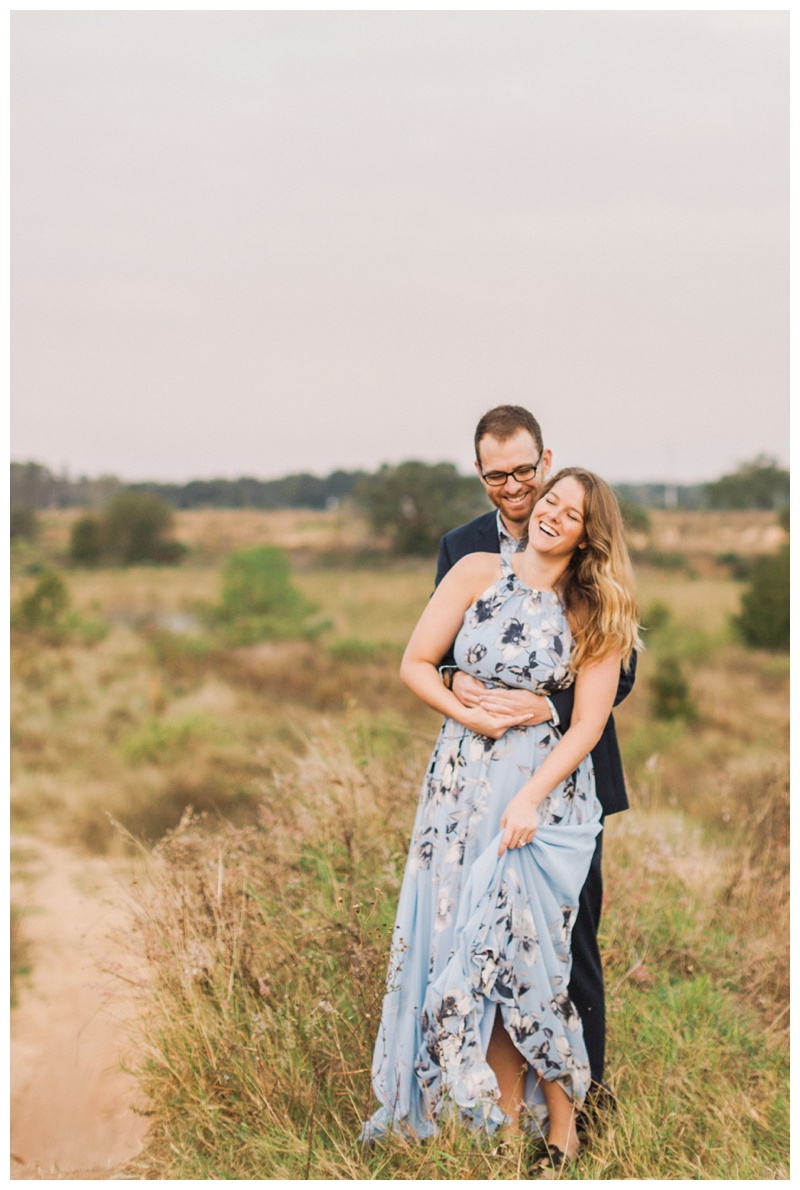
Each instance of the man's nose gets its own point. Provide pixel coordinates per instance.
(513, 485)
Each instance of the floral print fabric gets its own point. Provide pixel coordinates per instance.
(474, 933)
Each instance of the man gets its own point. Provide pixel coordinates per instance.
(513, 465)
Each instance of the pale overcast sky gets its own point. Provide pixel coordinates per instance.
(259, 242)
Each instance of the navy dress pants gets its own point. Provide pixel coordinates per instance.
(586, 985)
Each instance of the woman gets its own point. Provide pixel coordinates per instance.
(476, 1019)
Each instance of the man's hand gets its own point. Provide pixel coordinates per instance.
(467, 689)
(523, 705)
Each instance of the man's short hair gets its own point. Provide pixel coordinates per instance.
(502, 423)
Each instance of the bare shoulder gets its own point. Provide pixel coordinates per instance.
(475, 572)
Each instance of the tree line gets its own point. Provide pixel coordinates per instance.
(760, 483)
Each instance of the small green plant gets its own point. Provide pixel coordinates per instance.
(764, 619)
(663, 559)
(44, 607)
(20, 964)
(164, 741)
(672, 697)
(258, 599)
(657, 615)
(362, 652)
(45, 611)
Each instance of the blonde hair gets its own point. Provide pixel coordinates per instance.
(598, 588)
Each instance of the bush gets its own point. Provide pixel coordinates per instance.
(740, 566)
(45, 611)
(672, 698)
(258, 599)
(132, 530)
(134, 527)
(764, 619)
(23, 522)
(45, 606)
(656, 615)
(86, 541)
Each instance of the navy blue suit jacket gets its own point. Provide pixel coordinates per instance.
(481, 536)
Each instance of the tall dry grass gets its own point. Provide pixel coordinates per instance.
(265, 915)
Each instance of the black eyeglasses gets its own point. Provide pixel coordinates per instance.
(523, 474)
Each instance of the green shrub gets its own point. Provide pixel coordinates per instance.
(663, 560)
(131, 530)
(258, 599)
(656, 615)
(740, 566)
(45, 606)
(23, 522)
(135, 524)
(362, 652)
(86, 541)
(165, 741)
(46, 612)
(764, 619)
(672, 697)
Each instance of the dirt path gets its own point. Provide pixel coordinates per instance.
(71, 1106)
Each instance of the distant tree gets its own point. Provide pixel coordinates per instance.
(23, 522)
(87, 541)
(635, 516)
(760, 483)
(764, 619)
(415, 503)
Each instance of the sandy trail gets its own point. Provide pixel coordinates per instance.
(71, 1105)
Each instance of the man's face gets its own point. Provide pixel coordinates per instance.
(515, 499)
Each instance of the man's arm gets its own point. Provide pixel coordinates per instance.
(444, 562)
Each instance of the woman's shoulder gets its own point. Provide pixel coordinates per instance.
(479, 565)
(475, 572)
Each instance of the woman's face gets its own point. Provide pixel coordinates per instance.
(556, 526)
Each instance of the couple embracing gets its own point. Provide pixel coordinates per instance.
(494, 1008)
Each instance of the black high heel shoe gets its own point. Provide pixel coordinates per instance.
(554, 1163)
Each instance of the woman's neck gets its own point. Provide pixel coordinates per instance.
(540, 572)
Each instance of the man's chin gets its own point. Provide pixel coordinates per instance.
(516, 515)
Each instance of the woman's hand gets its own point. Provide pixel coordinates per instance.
(519, 822)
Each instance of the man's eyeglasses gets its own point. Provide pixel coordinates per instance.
(523, 474)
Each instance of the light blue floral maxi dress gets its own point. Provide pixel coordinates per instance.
(475, 932)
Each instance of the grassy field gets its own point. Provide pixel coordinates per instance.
(264, 912)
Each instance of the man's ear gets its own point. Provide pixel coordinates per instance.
(478, 468)
(547, 462)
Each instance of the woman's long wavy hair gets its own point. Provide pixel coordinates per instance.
(598, 588)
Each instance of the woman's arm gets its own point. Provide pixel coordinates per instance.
(436, 629)
(595, 688)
